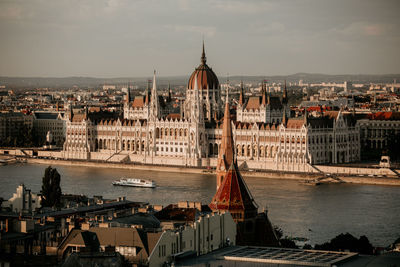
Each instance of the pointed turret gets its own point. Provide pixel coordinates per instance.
(154, 99)
(226, 151)
(147, 99)
(264, 95)
(203, 56)
(196, 112)
(241, 97)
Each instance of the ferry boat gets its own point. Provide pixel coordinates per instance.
(135, 182)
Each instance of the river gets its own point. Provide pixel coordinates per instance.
(318, 213)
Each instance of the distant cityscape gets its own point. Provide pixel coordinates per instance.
(180, 125)
(317, 132)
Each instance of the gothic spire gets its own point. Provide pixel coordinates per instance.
(203, 56)
(147, 100)
(154, 98)
(226, 153)
(263, 94)
(241, 93)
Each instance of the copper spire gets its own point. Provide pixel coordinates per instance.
(203, 56)
(226, 152)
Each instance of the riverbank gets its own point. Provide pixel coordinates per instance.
(261, 174)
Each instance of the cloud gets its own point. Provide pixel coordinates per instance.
(208, 31)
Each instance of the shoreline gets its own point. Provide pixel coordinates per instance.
(259, 174)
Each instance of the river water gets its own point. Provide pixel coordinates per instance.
(318, 213)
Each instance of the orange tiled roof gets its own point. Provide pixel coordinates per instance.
(253, 103)
(233, 194)
(138, 102)
(389, 115)
(295, 123)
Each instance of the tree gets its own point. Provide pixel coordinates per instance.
(348, 242)
(284, 241)
(51, 190)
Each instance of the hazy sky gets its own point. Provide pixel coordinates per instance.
(130, 38)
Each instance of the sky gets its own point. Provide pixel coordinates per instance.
(131, 38)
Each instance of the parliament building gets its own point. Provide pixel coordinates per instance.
(265, 135)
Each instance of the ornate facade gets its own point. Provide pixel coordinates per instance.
(148, 133)
(264, 108)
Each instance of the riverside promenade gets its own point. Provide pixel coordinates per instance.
(270, 174)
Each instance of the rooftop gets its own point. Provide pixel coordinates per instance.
(270, 256)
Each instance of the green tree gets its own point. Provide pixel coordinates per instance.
(51, 190)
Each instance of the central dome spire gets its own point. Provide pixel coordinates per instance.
(203, 56)
(206, 78)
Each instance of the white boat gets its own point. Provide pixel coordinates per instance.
(135, 182)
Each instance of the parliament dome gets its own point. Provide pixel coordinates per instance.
(206, 78)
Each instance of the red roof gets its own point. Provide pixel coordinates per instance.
(233, 194)
(205, 76)
(384, 116)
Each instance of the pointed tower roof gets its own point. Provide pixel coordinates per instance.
(233, 194)
(226, 152)
(241, 98)
(227, 147)
(263, 94)
(147, 100)
(154, 98)
(154, 89)
(203, 56)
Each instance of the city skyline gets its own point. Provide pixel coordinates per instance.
(123, 39)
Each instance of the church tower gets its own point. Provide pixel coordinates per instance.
(226, 152)
(233, 195)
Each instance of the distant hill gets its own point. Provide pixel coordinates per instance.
(67, 82)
